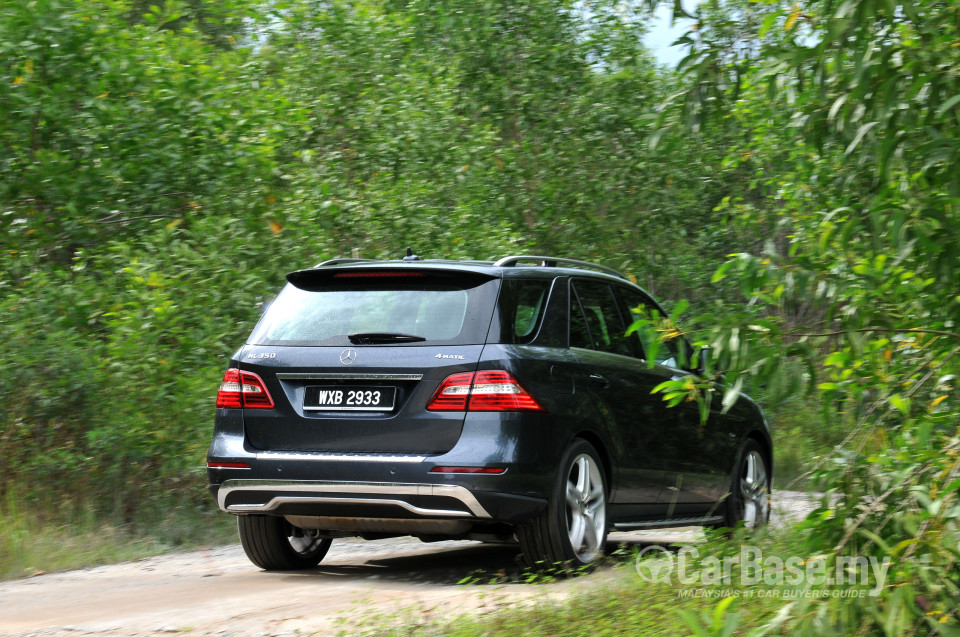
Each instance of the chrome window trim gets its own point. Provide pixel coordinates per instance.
(347, 377)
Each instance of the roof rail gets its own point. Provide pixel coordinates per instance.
(341, 261)
(551, 262)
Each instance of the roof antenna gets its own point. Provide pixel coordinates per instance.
(411, 256)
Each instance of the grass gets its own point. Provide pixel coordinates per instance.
(616, 602)
(621, 605)
(36, 540)
(618, 607)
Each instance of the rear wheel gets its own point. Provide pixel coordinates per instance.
(572, 531)
(271, 544)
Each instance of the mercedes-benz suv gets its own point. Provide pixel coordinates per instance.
(494, 401)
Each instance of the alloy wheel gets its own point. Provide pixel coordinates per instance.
(754, 490)
(585, 507)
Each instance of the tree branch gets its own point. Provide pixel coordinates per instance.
(129, 219)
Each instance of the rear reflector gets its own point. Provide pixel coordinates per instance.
(487, 470)
(243, 390)
(227, 465)
(492, 390)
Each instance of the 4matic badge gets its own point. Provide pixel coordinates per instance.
(456, 357)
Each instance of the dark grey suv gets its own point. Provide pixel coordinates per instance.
(462, 399)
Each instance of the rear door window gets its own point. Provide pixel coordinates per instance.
(600, 316)
(579, 331)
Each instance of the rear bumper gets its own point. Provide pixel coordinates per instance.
(274, 496)
(358, 505)
(376, 486)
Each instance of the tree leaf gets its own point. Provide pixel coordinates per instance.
(861, 132)
(731, 394)
(947, 105)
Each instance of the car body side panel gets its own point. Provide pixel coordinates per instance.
(620, 387)
(705, 471)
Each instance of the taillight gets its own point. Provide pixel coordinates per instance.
(495, 390)
(243, 389)
(500, 391)
(452, 394)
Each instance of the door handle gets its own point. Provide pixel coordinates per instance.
(599, 380)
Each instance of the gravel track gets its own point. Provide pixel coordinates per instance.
(218, 592)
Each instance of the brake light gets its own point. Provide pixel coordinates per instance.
(243, 390)
(493, 390)
(378, 275)
(227, 465)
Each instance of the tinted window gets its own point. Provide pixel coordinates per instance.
(579, 332)
(521, 309)
(661, 346)
(439, 311)
(602, 317)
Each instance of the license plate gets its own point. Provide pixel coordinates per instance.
(349, 398)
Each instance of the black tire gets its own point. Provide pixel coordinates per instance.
(571, 532)
(270, 544)
(748, 503)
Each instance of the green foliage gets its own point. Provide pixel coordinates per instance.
(113, 128)
(621, 604)
(81, 538)
(164, 165)
(722, 622)
(848, 155)
(163, 168)
(113, 391)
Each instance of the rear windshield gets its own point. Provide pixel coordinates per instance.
(439, 311)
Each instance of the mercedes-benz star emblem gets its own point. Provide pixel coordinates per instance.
(347, 356)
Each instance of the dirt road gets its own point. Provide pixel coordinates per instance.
(218, 592)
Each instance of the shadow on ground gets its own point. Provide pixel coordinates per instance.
(451, 563)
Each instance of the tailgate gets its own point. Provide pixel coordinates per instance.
(351, 356)
(376, 404)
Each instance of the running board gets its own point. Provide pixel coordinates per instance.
(664, 524)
